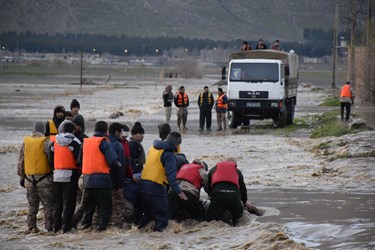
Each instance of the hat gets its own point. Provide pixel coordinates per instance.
(174, 138)
(59, 108)
(39, 127)
(101, 126)
(125, 128)
(164, 130)
(69, 127)
(74, 103)
(79, 120)
(137, 129)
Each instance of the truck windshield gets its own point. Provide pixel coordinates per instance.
(254, 72)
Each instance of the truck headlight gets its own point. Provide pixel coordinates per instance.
(274, 104)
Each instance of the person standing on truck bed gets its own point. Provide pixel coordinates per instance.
(261, 44)
(245, 46)
(276, 45)
(181, 100)
(205, 104)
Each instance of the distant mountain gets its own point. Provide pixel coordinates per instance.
(213, 19)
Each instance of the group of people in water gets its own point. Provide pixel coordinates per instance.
(109, 180)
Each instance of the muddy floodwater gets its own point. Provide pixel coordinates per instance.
(315, 193)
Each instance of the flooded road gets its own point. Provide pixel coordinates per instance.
(322, 219)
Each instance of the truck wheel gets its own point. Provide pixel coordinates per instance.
(279, 121)
(290, 116)
(233, 119)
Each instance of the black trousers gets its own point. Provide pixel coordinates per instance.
(65, 196)
(184, 209)
(347, 109)
(221, 201)
(205, 114)
(100, 198)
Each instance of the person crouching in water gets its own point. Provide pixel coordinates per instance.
(98, 158)
(227, 191)
(159, 171)
(64, 152)
(36, 176)
(190, 178)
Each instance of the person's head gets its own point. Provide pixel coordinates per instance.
(277, 43)
(68, 115)
(200, 162)
(347, 82)
(75, 107)
(101, 127)
(69, 127)
(181, 89)
(244, 45)
(79, 122)
(261, 41)
(164, 130)
(168, 88)
(175, 139)
(59, 112)
(115, 129)
(231, 159)
(220, 91)
(125, 130)
(39, 127)
(205, 89)
(137, 132)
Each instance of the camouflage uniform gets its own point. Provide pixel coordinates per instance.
(39, 189)
(118, 205)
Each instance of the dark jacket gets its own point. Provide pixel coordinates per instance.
(168, 160)
(203, 100)
(227, 185)
(137, 156)
(118, 174)
(101, 180)
(55, 120)
(168, 99)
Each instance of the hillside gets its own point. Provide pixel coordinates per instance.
(214, 19)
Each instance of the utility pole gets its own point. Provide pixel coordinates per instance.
(369, 23)
(351, 76)
(81, 79)
(334, 47)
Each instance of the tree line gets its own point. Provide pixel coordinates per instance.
(142, 46)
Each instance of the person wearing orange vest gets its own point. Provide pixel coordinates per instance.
(190, 178)
(205, 104)
(221, 109)
(346, 100)
(97, 158)
(181, 100)
(53, 124)
(64, 152)
(227, 191)
(36, 176)
(159, 172)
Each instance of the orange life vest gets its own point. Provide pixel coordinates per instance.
(220, 103)
(226, 171)
(185, 99)
(93, 159)
(63, 157)
(345, 91)
(190, 173)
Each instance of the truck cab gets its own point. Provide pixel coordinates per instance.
(262, 84)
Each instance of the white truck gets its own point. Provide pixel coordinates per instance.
(262, 84)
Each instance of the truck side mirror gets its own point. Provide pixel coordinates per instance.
(286, 70)
(223, 72)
